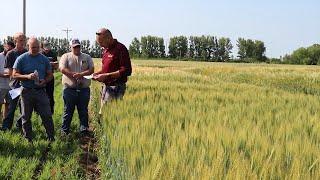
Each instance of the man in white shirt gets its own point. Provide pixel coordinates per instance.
(4, 79)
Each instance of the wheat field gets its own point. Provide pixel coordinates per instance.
(191, 120)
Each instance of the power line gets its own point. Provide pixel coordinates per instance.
(24, 17)
(67, 31)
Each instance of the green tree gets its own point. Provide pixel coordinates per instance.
(152, 47)
(205, 48)
(96, 50)
(135, 48)
(308, 56)
(224, 49)
(146, 47)
(63, 46)
(178, 47)
(198, 45)
(85, 46)
(314, 54)
(259, 51)
(161, 48)
(191, 49)
(300, 56)
(250, 49)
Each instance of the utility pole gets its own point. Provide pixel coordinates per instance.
(67, 31)
(24, 17)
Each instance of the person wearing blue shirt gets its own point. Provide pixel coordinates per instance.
(11, 57)
(34, 71)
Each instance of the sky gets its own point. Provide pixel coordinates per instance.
(283, 25)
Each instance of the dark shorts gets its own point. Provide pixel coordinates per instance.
(109, 93)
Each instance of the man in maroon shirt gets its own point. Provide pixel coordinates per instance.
(116, 67)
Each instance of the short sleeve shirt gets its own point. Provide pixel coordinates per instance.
(9, 62)
(26, 64)
(4, 82)
(116, 58)
(78, 64)
(51, 56)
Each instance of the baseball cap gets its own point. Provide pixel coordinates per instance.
(46, 45)
(10, 43)
(75, 42)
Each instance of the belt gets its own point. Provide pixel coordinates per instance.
(77, 89)
(115, 84)
(38, 88)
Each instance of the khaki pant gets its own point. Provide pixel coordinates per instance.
(110, 93)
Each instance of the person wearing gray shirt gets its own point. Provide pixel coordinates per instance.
(76, 89)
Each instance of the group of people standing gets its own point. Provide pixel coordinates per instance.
(32, 70)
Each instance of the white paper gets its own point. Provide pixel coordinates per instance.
(88, 77)
(14, 93)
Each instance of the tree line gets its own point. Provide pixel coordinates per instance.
(61, 46)
(308, 56)
(197, 48)
(200, 48)
(212, 48)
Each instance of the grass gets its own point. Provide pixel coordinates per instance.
(19, 159)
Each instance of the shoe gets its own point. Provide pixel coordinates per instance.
(86, 133)
(29, 140)
(18, 125)
(4, 129)
(64, 135)
(51, 139)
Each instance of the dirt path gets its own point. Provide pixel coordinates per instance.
(88, 159)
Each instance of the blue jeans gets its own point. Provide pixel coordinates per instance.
(8, 120)
(72, 98)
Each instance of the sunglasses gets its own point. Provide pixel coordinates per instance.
(98, 33)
